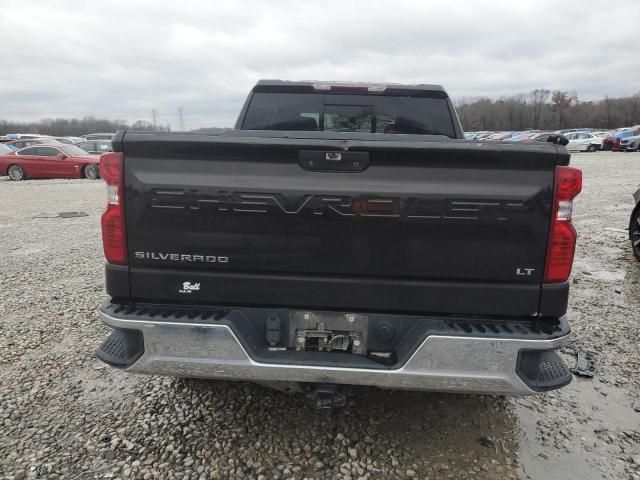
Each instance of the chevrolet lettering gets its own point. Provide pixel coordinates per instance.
(398, 207)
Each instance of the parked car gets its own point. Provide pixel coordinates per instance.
(612, 142)
(66, 140)
(26, 136)
(630, 144)
(99, 136)
(572, 130)
(500, 136)
(551, 137)
(4, 149)
(520, 136)
(16, 145)
(96, 146)
(607, 142)
(49, 161)
(482, 135)
(634, 225)
(585, 141)
(326, 247)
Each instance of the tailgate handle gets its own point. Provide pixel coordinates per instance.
(333, 161)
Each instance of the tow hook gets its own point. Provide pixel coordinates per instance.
(325, 396)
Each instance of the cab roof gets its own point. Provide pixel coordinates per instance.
(318, 86)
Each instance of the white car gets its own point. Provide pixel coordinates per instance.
(29, 136)
(585, 141)
(630, 144)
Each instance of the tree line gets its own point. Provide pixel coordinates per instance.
(540, 109)
(543, 109)
(61, 127)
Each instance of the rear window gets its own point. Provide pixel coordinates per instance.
(349, 113)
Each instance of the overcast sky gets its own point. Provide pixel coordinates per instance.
(122, 59)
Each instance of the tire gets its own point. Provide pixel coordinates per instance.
(16, 173)
(591, 148)
(634, 231)
(91, 172)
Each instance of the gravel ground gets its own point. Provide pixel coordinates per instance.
(64, 415)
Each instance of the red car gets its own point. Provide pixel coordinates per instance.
(49, 161)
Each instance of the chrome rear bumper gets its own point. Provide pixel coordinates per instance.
(441, 363)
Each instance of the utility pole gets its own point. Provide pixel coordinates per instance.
(181, 119)
(154, 116)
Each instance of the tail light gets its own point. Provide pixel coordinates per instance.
(562, 235)
(113, 225)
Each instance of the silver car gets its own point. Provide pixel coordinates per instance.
(585, 141)
(630, 144)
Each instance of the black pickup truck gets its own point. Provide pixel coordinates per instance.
(341, 234)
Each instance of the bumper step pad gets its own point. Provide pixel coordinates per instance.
(543, 370)
(122, 348)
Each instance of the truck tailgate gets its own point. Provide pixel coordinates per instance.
(336, 222)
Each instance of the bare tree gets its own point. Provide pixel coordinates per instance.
(606, 109)
(561, 104)
(632, 107)
(538, 98)
(461, 108)
(537, 110)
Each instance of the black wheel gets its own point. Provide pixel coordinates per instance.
(634, 231)
(91, 171)
(16, 173)
(591, 148)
